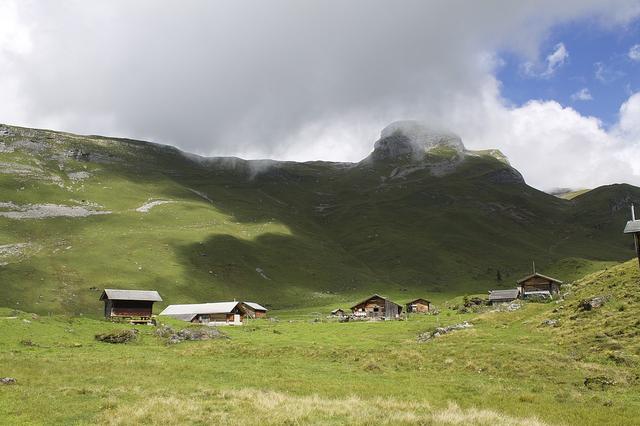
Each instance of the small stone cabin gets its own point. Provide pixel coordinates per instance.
(129, 304)
(538, 284)
(377, 307)
(339, 312)
(419, 306)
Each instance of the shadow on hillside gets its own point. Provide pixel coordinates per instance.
(277, 270)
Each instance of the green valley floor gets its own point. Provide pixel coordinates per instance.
(511, 367)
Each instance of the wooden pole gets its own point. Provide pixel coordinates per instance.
(636, 241)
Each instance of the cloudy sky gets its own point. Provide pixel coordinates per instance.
(554, 84)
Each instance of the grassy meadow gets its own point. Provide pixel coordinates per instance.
(509, 368)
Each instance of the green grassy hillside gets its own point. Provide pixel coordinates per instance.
(281, 233)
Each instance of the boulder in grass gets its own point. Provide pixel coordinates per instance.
(203, 333)
(598, 382)
(8, 381)
(118, 336)
(593, 303)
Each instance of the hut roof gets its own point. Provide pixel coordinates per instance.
(373, 296)
(337, 310)
(535, 274)
(143, 295)
(503, 294)
(187, 312)
(255, 306)
(632, 226)
(420, 299)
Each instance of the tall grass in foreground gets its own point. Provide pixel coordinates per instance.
(275, 408)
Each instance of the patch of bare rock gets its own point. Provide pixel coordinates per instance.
(42, 211)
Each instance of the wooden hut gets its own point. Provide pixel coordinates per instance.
(419, 306)
(219, 313)
(255, 310)
(538, 284)
(503, 296)
(338, 312)
(377, 307)
(633, 227)
(134, 305)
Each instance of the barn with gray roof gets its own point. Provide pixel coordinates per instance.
(134, 305)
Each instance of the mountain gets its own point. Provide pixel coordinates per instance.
(421, 215)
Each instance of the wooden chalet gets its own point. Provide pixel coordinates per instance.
(419, 306)
(538, 284)
(134, 305)
(633, 227)
(219, 313)
(377, 307)
(255, 310)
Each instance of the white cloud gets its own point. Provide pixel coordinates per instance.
(556, 59)
(296, 80)
(553, 62)
(554, 145)
(606, 74)
(14, 32)
(582, 95)
(634, 52)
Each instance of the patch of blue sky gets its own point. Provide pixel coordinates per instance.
(595, 78)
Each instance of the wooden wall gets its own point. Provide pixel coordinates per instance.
(128, 308)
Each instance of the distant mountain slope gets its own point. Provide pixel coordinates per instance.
(420, 215)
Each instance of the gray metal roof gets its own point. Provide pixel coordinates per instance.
(199, 308)
(146, 295)
(510, 294)
(538, 275)
(632, 227)
(255, 306)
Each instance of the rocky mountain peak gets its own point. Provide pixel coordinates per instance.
(413, 138)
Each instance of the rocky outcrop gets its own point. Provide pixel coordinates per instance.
(426, 336)
(118, 336)
(201, 333)
(413, 140)
(593, 303)
(505, 176)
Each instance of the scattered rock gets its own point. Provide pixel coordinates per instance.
(598, 382)
(260, 272)
(594, 303)
(423, 337)
(6, 131)
(118, 336)
(8, 381)
(151, 204)
(551, 323)
(78, 176)
(42, 211)
(203, 333)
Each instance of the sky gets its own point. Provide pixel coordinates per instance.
(555, 85)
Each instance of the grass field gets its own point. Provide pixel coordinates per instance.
(507, 369)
